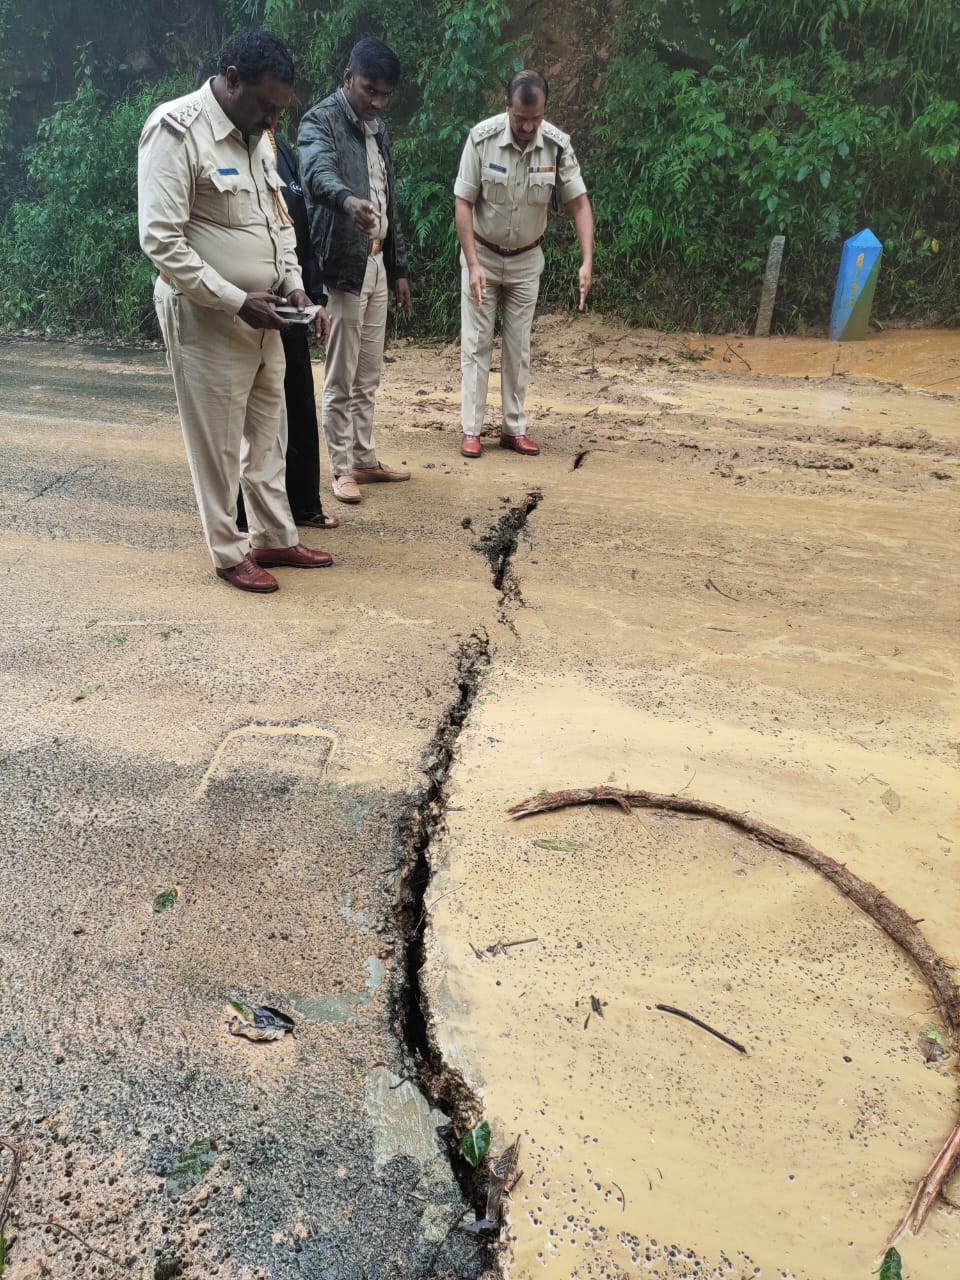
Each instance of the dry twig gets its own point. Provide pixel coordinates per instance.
(893, 920)
(16, 1153)
(92, 1248)
(739, 356)
(710, 583)
(734, 1044)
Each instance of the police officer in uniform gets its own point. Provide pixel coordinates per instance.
(513, 167)
(213, 223)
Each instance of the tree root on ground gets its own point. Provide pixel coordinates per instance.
(893, 920)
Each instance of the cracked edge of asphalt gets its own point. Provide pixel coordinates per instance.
(424, 820)
(499, 545)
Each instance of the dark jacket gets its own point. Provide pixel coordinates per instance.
(296, 207)
(333, 166)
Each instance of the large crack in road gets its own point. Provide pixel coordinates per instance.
(443, 1084)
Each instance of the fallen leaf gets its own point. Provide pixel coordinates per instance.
(890, 800)
(890, 1268)
(930, 1043)
(260, 1023)
(475, 1143)
(164, 900)
(191, 1166)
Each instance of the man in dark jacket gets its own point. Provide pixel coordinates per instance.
(303, 429)
(346, 165)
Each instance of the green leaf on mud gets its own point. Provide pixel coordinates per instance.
(559, 846)
(86, 692)
(890, 1267)
(261, 1023)
(190, 1166)
(244, 1010)
(475, 1144)
(164, 900)
(930, 1043)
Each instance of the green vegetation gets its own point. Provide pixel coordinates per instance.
(711, 127)
(892, 1267)
(475, 1144)
(808, 118)
(70, 254)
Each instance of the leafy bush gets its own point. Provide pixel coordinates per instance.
(69, 254)
(695, 168)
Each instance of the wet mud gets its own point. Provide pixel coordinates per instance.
(727, 580)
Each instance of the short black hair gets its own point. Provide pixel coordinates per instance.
(256, 54)
(527, 83)
(371, 57)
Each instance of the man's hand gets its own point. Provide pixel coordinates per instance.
(259, 310)
(585, 281)
(300, 299)
(477, 283)
(321, 326)
(401, 290)
(361, 213)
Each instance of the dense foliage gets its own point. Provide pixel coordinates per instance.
(712, 127)
(812, 118)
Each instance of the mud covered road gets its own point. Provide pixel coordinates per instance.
(738, 583)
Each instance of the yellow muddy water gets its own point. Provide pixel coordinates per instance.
(747, 591)
(928, 359)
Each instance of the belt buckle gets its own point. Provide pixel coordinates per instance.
(374, 247)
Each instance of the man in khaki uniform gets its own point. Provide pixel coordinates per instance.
(213, 223)
(511, 167)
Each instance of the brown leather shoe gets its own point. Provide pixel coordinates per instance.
(470, 446)
(298, 557)
(519, 444)
(380, 474)
(248, 576)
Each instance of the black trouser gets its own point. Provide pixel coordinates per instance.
(303, 429)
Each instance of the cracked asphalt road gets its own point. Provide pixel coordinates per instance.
(274, 760)
(259, 757)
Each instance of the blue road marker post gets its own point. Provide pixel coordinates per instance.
(856, 285)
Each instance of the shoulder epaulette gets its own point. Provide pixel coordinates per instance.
(486, 128)
(182, 115)
(554, 134)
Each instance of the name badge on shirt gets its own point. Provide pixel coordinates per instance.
(229, 172)
(496, 168)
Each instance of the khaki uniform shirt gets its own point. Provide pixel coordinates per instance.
(212, 218)
(376, 171)
(510, 186)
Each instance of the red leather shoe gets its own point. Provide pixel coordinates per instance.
(298, 557)
(470, 446)
(519, 444)
(248, 576)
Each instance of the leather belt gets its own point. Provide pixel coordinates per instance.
(374, 247)
(507, 253)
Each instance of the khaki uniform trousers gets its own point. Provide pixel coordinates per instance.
(229, 383)
(351, 372)
(515, 282)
